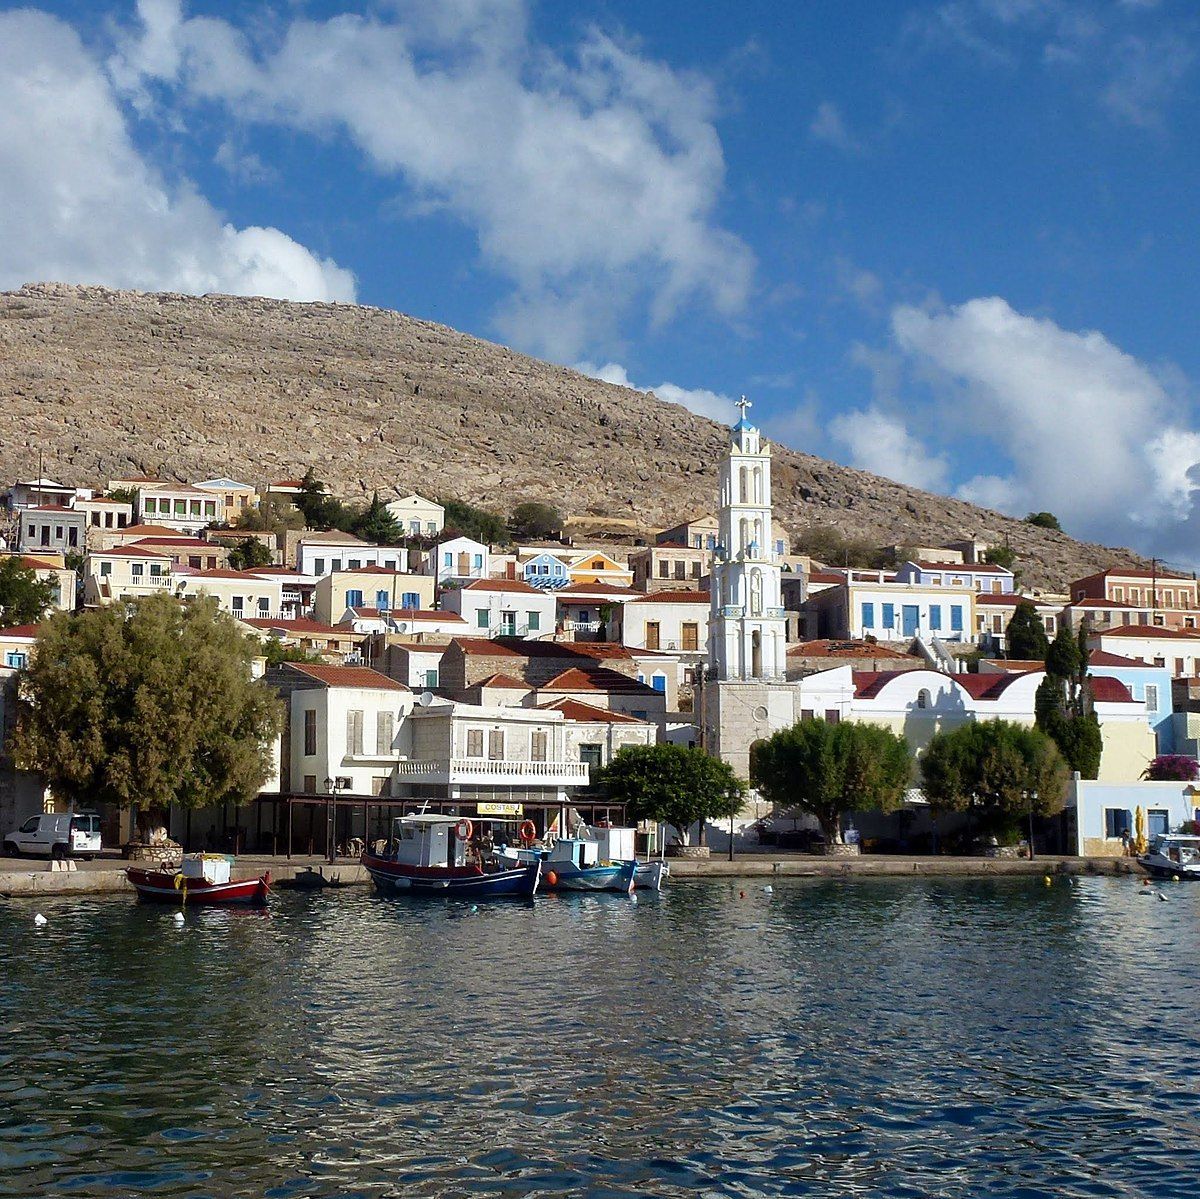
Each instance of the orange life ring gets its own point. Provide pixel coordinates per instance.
(528, 831)
(463, 829)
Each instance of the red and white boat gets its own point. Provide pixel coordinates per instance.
(202, 878)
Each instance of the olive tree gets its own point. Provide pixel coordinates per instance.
(149, 704)
(672, 784)
(829, 769)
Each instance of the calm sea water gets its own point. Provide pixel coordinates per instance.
(946, 1038)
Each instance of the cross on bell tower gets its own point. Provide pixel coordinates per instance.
(743, 404)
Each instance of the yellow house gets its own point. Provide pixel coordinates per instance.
(595, 566)
(50, 568)
(124, 573)
(234, 499)
(370, 587)
(239, 592)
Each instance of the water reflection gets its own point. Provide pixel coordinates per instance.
(903, 1037)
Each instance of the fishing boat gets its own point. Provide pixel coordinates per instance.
(202, 878)
(650, 876)
(574, 864)
(1172, 855)
(430, 854)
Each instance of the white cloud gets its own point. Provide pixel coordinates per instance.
(1092, 434)
(829, 126)
(880, 443)
(699, 400)
(81, 204)
(590, 179)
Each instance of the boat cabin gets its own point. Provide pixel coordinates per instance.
(427, 839)
(580, 854)
(1177, 848)
(616, 844)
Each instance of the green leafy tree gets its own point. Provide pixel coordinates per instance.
(248, 553)
(377, 525)
(674, 784)
(276, 653)
(1064, 705)
(1025, 637)
(997, 771)
(533, 521)
(152, 708)
(273, 515)
(320, 509)
(480, 524)
(830, 769)
(24, 598)
(1001, 555)
(1044, 520)
(124, 495)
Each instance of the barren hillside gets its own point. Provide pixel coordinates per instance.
(107, 383)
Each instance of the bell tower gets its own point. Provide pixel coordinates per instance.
(747, 627)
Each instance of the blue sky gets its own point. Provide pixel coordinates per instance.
(951, 242)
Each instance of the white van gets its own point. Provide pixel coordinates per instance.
(56, 835)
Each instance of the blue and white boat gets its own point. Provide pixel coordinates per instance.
(574, 864)
(430, 854)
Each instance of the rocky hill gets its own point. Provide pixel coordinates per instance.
(106, 383)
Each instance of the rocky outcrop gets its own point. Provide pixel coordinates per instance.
(106, 383)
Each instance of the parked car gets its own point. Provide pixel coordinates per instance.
(56, 835)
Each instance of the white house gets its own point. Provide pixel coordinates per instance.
(124, 574)
(320, 554)
(418, 517)
(894, 611)
(177, 505)
(1106, 813)
(983, 577)
(53, 527)
(664, 620)
(241, 593)
(459, 560)
(1178, 650)
(503, 608)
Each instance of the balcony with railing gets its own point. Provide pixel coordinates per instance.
(492, 771)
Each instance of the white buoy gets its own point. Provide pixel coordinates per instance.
(768, 890)
(40, 920)
(1161, 896)
(632, 897)
(178, 917)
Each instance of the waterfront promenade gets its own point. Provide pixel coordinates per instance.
(30, 877)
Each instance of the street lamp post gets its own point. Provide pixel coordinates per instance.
(331, 789)
(1031, 796)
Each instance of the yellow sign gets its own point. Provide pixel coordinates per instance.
(500, 809)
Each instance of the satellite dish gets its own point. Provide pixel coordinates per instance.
(425, 699)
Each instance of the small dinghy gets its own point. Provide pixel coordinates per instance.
(203, 878)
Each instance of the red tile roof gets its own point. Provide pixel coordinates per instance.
(574, 709)
(597, 678)
(1099, 657)
(30, 562)
(1090, 602)
(1134, 572)
(20, 632)
(242, 576)
(347, 676)
(300, 624)
(507, 585)
(1149, 630)
(50, 508)
(590, 589)
(504, 682)
(145, 531)
(188, 542)
(427, 614)
(674, 597)
(1110, 691)
(485, 647)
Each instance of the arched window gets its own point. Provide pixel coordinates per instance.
(758, 533)
(756, 654)
(758, 485)
(745, 488)
(744, 530)
(923, 698)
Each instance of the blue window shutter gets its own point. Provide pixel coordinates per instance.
(889, 615)
(381, 600)
(354, 599)
(660, 682)
(868, 616)
(410, 599)
(956, 618)
(935, 617)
